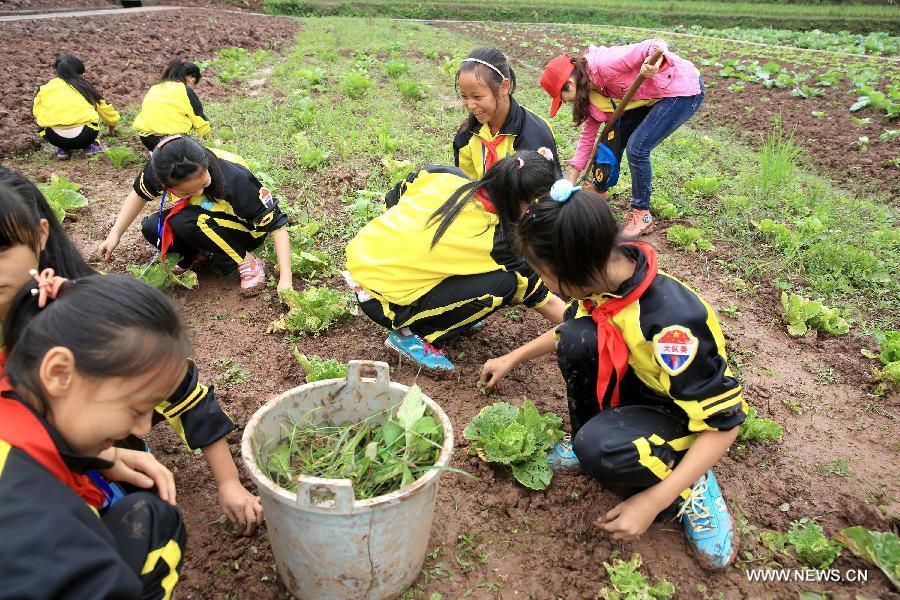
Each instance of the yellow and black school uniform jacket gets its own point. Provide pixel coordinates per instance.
(523, 130)
(392, 258)
(54, 544)
(194, 413)
(58, 104)
(243, 206)
(171, 107)
(676, 351)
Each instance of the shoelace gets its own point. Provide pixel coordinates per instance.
(696, 510)
(249, 270)
(429, 349)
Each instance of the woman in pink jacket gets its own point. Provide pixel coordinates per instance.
(673, 84)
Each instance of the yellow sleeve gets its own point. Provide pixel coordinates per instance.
(109, 115)
(202, 126)
(465, 162)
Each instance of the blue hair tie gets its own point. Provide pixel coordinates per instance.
(562, 190)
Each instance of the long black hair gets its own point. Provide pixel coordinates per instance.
(574, 240)
(511, 184)
(22, 206)
(70, 69)
(178, 158)
(114, 325)
(179, 69)
(486, 75)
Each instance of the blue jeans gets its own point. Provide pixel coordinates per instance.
(666, 116)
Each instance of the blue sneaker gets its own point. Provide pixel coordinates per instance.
(562, 456)
(420, 351)
(708, 524)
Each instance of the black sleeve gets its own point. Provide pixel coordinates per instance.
(194, 412)
(537, 134)
(147, 185)
(196, 105)
(250, 200)
(54, 545)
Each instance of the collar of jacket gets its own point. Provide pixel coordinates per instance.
(515, 119)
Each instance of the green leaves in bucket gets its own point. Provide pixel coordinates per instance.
(380, 455)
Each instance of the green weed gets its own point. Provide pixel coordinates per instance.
(689, 239)
(802, 314)
(805, 540)
(313, 310)
(62, 195)
(356, 83)
(778, 160)
(318, 368)
(395, 68)
(161, 276)
(628, 583)
(230, 372)
(410, 90)
(756, 428)
(121, 156)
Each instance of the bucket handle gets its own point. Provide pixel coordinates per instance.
(325, 494)
(382, 373)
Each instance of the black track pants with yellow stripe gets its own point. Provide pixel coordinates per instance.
(628, 448)
(151, 538)
(450, 308)
(221, 237)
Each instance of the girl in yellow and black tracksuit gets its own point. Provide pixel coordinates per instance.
(172, 106)
(497, 125)
(68, 109)
(438, 262)
(192, 409)
(67, 531)
(653, 404)
(221, 215)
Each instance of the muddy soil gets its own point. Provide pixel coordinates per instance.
(491, 538)
(123, 54)
(831, 143)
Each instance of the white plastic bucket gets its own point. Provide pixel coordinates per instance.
(326, 543)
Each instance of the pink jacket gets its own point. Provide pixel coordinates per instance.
(613, 69)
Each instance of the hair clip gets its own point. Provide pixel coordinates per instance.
(546, 153)
(521, 164)
(487, 64)
(562, 190)
(48, 284)
(181, 61)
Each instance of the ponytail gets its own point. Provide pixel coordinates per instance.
(511, 184)
(70, 69)
(179, 69)
(581, 107)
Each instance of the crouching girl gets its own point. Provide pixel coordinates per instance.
(87, 364)
(653, 404)
(221, 212)
(437, 262)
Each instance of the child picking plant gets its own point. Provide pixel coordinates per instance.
(438, 262)
(497, 125)
(68, 109)
(653, 405)
(172, 106)
(88, 362)
(673, 84)
(34, 240)
(221, 213)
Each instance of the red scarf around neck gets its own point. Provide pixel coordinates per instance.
(168, 236)
(611, 346)
(490, 157)
(21, 429)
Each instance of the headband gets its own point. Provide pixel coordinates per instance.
(487, 64)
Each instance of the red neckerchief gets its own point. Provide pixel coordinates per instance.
(482, 196)
(611, 346)
(21, 428)
(168, 237)
(491, 148)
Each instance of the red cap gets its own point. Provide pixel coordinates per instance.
(555, 75)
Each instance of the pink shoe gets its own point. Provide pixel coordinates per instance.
(637, 223)
(253, 276)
